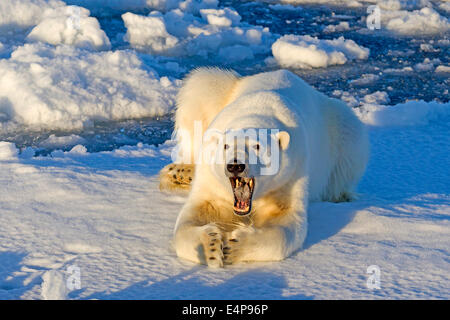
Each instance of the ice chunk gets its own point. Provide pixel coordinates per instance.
(443, 69)
(378, 97)
(22, 14)
(426, 65)
(294, 51)
(8, 151)
(424, 21)
(222, 18)
(411, 113)
(342, 26)
(177, 33)
(67, 88)
(148, 33)
(73, 26)
(365, 79)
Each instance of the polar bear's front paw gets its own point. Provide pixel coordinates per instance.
(235, 245)
(212, 246)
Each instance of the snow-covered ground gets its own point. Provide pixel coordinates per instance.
(104, 213)
(87, 91)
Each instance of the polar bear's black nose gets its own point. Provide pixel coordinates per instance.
(236, 168)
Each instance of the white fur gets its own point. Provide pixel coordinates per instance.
(325, 156)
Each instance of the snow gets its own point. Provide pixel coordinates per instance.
(103, 213)
(292, 51)
(342, 26)
(423, 21)
(52, 22)
(394, 5)
(365, 79)
(54, 285)
(378, 97)
(427, 65)
(20, 14)
(444, 69)
(222, 17)
(8, 151)
(148, 33)
(67, 88)
(411, 113)
(73, 26)
(177, 33)
(445, 6)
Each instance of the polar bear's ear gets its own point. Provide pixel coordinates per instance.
(283, 139)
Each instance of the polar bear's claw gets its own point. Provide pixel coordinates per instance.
(233, 245)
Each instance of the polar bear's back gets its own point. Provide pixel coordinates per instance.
(283, 82)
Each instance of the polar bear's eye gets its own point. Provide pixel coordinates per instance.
(256, 147)
(226, 146)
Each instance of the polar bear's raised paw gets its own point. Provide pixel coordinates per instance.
(176, 177)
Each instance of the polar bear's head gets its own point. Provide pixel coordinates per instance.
(250, 162)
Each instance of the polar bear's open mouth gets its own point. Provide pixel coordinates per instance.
(243, 192)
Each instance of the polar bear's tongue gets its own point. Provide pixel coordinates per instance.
(243, 191)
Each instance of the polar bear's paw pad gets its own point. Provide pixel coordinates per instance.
(176, 177)
(212, 246)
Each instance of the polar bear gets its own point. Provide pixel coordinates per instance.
(313, 148)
